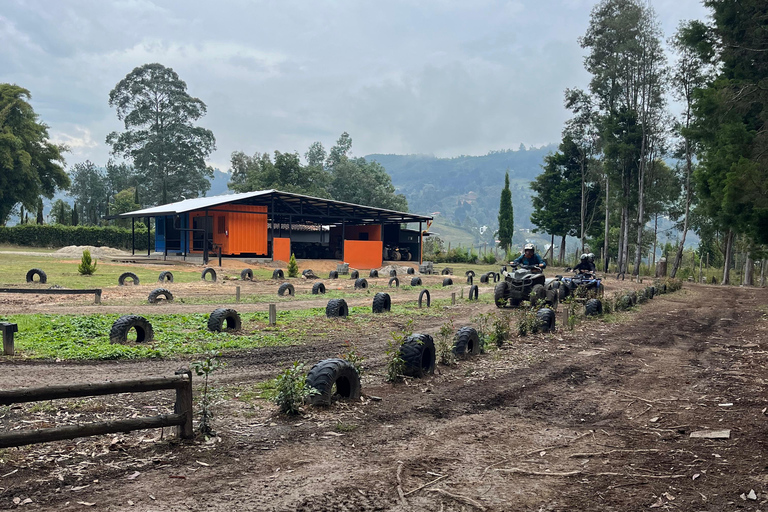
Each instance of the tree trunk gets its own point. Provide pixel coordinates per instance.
(640, 223)
(562, 250)
(728, 256)
(762, 271)
(749, 266)
(688, 197)
(655, 240)
(619, 258)
(625, 249)
(607, 228)
(583, 203)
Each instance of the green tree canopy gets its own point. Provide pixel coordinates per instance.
(89, 188)
(30, 165)
(506, 216)
(167, 149)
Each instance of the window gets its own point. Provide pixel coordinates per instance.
(222, 225)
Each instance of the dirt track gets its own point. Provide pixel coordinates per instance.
(597, 419)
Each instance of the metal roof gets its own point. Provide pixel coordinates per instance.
(288, 206)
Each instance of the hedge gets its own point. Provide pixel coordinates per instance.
(56, 235)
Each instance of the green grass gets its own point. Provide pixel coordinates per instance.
(23, 248)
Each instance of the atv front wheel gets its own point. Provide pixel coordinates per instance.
(500, 294)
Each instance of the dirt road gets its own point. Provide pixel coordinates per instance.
(595, 419)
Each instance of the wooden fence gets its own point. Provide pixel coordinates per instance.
(181, 417)
(55, 291)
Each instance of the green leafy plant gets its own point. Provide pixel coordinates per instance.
(352, 355)
(87, 266)
(570, 307)
(489, 258)
(204, 368)
(482, 321)
(293, 267)
(528, 323)
(500, 329)
(395, 364)
(292, 389)
(444, 343)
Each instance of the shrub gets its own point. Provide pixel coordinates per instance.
(292, 389)
(444, 344)
(353, 356)
(501, 329)
(56, 235)
(489, 258)
(395, 363)
(86, 267)
(293, 267)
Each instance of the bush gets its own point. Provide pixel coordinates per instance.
(292, 389)
(56, 235)
(87, 266)
(293, 267)
(489, 258)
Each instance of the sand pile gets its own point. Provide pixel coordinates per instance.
(76, 251)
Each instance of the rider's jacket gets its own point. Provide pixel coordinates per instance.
(585, 265)
(535, 260)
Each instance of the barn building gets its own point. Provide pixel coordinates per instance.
(272, 224)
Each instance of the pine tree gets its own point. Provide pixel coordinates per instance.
(293, 267)
(506, 216)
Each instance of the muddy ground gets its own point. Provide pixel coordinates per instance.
(599, 418)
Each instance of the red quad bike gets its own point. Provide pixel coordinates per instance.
(526, 283)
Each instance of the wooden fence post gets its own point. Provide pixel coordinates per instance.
(8, 330)
(183, 405)
(453, 298)
(237, 294)
(97, 297)
(272, 314)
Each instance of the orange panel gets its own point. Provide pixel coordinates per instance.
(353, 232)
(244, 232)
(363, 254)
(281, 249)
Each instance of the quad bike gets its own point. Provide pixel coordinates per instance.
(526, 283)
(586, 281)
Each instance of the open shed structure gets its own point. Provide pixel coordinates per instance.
(273, 224)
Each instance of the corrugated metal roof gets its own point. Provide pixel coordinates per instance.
(197, 203)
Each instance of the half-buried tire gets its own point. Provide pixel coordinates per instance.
(286, 287)
(333, 378)
(224, 319)
(415, 281)
(246, 274)
(354, 274)
(122, 326)
(418, 354)
(410, 271)
(593, 307)
(382, 303)
(337, 308)
(160, 293)
(318, 288)
(206, 273)
(374, 273)
(422, 294)
(166, 276)
(546, 319)
(474, 291)
(278, 274)
(333, 274)
(361, 283)
(128, 275)
(466, 342)
(484, 278)
(37, 272)
(394, 281)
(447, 281)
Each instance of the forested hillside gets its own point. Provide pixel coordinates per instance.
(465, 190)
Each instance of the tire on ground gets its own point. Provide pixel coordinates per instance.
(496, 277)
(469, 273)
(208, 271)
(307, 272)
(166, 276)
(500, 294)
(447, 281)
(418, 354)
(318, 288)
(394, 280)
(538, 292)
(337, 308)
(127, 275)
(37, 272)
(474, 291)
(246, 274)
(470, 279)
(446, 271)
(382, 303)
(333, 274)
(286, 287)
(224, 319)
(374, 273)
(415, 281)
(157, 293)
(593, 307)
(393, 273)
(466, 342)
(331, 375)
(119, 331)
(546, 319)
(354, 274)
(410, 271)
(421, 296)
(484, 278)
(278, 274)
(361, 283)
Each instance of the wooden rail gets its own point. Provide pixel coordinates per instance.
(181, 417)
(55, 291)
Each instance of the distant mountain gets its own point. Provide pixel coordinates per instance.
(465, 190)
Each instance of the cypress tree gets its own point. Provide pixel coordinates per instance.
(74, 215)
(506, 216)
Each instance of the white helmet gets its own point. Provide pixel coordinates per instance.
(583, 257)
(591, 256)
(529, 247)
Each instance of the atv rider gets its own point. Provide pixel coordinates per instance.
(530, 258)
(585, 266)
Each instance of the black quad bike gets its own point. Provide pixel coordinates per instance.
(526, 282)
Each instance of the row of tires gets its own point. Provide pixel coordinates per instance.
(220, 320)
(338, 378)
(165, 276)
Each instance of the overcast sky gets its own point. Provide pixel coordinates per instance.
(442, 77)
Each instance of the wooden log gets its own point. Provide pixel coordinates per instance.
(90, 429)
(16, 396)
(51, 291)
(183, 405)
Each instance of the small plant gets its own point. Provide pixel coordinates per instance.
(500, 329)
(204, 368)
(528, 323)
(292, 389)
(444, 345)
(87, 266)
(353, 356)
(395, 363)
(570, 305)
(489, 258)
(481, 321)
(293, 267)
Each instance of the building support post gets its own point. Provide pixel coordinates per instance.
(205, 238)
(421, 244)
(149, 238)
(343, 237)
(133, 236)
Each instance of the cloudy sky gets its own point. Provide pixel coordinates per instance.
(442, 77)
